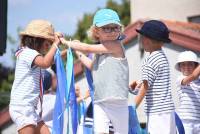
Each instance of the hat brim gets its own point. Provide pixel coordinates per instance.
(178, 68)
(159, 39)
(39, 36)
(108, 22)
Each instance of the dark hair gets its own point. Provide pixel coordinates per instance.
(47, 81)
(32, 42)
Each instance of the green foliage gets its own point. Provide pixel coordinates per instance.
(6, 80)
(123, 10)
(83, 26)
(4, 99)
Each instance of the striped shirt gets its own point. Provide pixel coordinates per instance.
(189, 96)
(26, 87)
(156, 71)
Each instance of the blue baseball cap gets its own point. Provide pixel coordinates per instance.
(106, 16)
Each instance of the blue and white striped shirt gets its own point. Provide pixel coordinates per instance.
(189, 97)
(156, 71)
(26, 87)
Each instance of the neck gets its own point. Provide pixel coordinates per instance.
(156, 47)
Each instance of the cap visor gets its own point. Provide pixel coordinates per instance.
(107, 22)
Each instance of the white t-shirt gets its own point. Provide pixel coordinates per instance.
(26, 87)
(48, 108)
(189, 97)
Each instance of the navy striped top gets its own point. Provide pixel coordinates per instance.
(189, 96)
(156, 71)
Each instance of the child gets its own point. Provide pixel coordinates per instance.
(110, 72)
(156, 85)
(49, 98)
(26, 90)
(189, 91)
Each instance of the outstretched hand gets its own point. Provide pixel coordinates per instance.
(65, 42)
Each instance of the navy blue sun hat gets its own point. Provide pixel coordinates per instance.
(156, 30)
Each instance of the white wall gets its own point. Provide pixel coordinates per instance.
(177, 10)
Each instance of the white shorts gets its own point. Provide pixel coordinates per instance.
(161, 123)
(115, 111)
(23, 116)
(191, 126)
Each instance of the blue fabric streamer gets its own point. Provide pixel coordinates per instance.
(59, 106)
(179, 124)
(71, 96)
(90, 82)
(89, 130)
(134, 125)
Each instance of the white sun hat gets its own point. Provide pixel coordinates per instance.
(186, 56)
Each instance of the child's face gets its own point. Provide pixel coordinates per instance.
(77, 91)
(109, 32)
(187, 67)
(45, 46)
(144, 42)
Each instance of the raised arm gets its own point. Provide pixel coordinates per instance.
(107, 47)
(84, 59)
(47, 60)
(192, 76)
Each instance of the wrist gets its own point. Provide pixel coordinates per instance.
(79, 55)
(55, 45)
(82, 98)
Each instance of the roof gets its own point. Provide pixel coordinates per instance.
(183, 34)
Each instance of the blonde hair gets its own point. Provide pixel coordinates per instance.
(92, 33)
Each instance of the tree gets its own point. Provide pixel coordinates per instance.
(123, 10)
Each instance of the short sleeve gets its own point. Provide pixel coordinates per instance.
(148, 73)
(28, 56)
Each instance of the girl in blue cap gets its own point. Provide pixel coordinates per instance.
(110, 72)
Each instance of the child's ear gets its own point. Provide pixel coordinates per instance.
(96, 31)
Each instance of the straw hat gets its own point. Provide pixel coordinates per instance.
(39, 28)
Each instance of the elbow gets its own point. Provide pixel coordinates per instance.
(46, 64)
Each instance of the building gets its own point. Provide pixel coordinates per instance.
(179, 10)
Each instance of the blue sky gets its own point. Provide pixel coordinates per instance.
(63, 14)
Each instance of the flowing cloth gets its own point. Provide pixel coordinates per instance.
(58, 116)
(72, 106)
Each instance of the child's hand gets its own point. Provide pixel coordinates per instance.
(56, 41)
(133, 85)
(87, 94)
(59, 34)
(63, 41)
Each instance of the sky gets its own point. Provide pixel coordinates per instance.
(63, 14)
